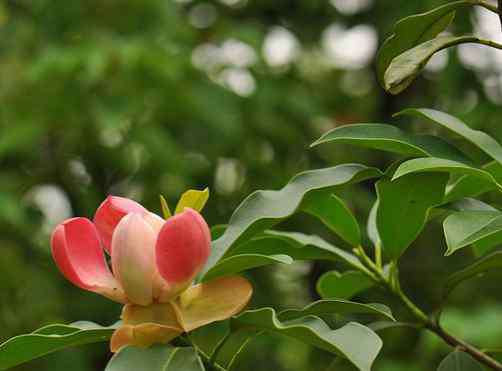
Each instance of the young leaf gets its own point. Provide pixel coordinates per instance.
(371, 227)
(241, 262)
(336, 306)
(48, 339)
(392, 139)
(405, 67)
(480, 139)
(482, 265)
(423, 165)
(156, 358)
(333, 212)
(459, 361)
(414, 30)
(299, 246)
(403, 208)
(194, 199)
(465, 228)
(355, 342)
(166, 212)
(342, 285)
(263, 209)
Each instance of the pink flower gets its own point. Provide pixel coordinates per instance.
(152, 259)
(153, 263)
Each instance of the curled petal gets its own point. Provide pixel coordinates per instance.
(78, 254)
(183, 246)
(212, 301)
(144, 326)
(109, 214)
(133, 258)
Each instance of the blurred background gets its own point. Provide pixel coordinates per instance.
(143, 97)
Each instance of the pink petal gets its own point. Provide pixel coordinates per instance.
(133, 260)
(109, 214)
(183, 246)
(78, 254)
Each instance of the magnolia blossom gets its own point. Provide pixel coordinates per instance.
(153, 263)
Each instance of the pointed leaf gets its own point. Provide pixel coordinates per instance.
(343, 285)
(414, 30)
(337, 306)
(193, 199)
(472, 185)
(459, 361)
(242, 262)
(355, 342)
(466, 228)
(298, 246)
(403, 208)
(405, 67)
(48, 339)
(166, 212)
(480, 139)
(482, 265)
(423, 165)
(371, 227)
(263, 209)
(156, 358)
(392, 139)
(333, 212)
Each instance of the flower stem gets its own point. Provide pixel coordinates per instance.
(392, 285)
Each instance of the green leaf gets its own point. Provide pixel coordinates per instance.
(482, 265)
(468, 204)
(465, 228)
(403, 208)
(343, 285)
(333, 212)
(263, 209)
(355, 342)
(156, 358)
(194, 199)
(425, 165)
(48, 339)
(405, 67)
(371, 227)
(166, 212)
(459, 361)
(238, 263)
(299, 246)
(472, 186)
(414, 30)
(337, 306)
(392, 139)
(480, 139)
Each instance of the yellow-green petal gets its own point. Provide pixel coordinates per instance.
(193, 199)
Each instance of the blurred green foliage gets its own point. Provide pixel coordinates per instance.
(142, 97)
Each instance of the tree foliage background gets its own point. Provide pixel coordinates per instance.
(143, 97)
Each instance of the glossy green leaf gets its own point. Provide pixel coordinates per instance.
(343, 285)
(414, 30)
(48, 339)
(156, 358)
(482, 265)
(459, 361)
(392, 139)
(337, 306)
(465, 228)
(333, 212)
(472, 186)
(468, 204)
(241, 262)
(480, 139)
(403, 208)
(371, 227)
(355, 342)
(263, 209)
(426, 165)
(405, 67)
(297, 245)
